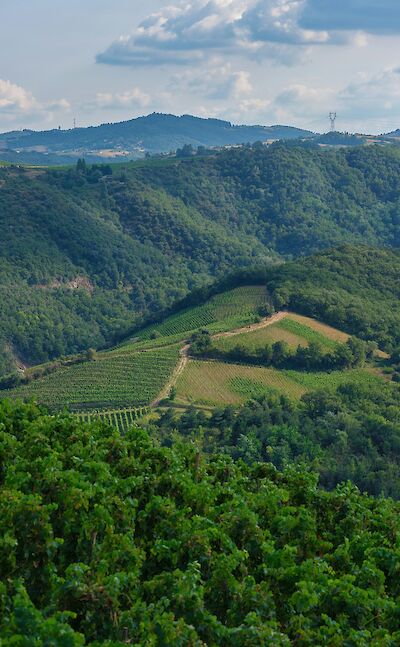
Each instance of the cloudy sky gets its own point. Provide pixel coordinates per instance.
(248, 61)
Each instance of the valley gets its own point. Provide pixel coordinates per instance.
(89, 254)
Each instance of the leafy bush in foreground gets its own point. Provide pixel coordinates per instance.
(111, 540)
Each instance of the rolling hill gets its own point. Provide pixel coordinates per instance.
(88, 253)
(155, 133)
(281, 388)
(142, 370)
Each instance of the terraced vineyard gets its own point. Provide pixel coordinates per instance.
(112, 380)
(123, 419)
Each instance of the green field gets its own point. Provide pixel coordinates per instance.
(293, 329)
(133, 374)
(119, 380)
(218, 383)
(231, 309)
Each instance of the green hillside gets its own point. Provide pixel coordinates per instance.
(87, 252)
(127, 380)
(134, 373)
(233, 368)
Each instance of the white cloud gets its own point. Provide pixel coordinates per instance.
(133, 98)
(14, 99)
(190, 31)
(218, 81)
(17, 104)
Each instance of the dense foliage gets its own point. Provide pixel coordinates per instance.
(313, 357)
(352, 433)
(354, 289)
(111, 540)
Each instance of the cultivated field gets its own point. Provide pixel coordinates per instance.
(111, 381)
(327, 332)
(219, 383)
(231, 309)
(141, 372)
(123, 419)
(291, 328)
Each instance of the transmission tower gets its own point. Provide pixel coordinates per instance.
(332, 117)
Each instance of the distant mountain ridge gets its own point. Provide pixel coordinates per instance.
(155, 133)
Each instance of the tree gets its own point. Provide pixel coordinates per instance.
(200, 342)
(81, 166)
(280, 352)
(187, 150)
(358, 349)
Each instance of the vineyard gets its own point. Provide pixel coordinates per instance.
(293, 329)
(231, 309)
(217, 383)
(123, 419)
(127, 380)
(134, 373)
(115, 384)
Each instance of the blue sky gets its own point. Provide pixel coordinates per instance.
(248, 61)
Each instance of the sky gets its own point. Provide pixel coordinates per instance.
(247, 61)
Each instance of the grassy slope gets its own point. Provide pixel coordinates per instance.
(294, 329)
(217, 383)
(134, 373)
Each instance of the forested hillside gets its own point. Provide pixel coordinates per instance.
(355, 289)
(109, 540)
(86, 251)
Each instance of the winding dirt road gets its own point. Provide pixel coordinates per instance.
(184, 351)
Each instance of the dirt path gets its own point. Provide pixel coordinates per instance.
(184, 351)
(179, 368)
(256, 326)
